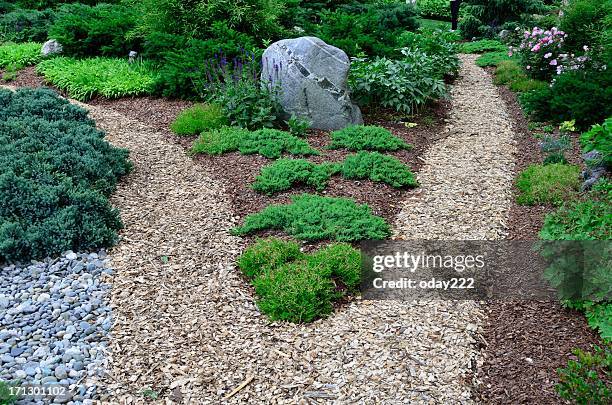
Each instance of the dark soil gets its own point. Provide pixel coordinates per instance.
(527, 341)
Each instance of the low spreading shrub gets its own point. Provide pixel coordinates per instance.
(403, 85)
(492, 58)
(268, 254)
(91, 31)
(297, 287)
(25, 25)
(482, 46)
(508, 72)
(270, 143)
(586, 380)
(542, 184)
(312, 217)
(361, 137)
(56, 172)
(199, 118)
(378, 167)
(599, 138)
(108, 77)
(17, 56)
(585, 96)
(286, 173)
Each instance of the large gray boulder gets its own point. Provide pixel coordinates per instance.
(51, 47)
(311, 77)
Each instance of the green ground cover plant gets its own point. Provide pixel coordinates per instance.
(378, 167)
(313, 217)
(492, 58)
(286, 173)
(270, 143)
(17, 56)
(361, 137)
(482, 46)
(107, 77)
(543, 184)
(586, 380)
(297, 287)
(6, 398)
(199, 118)
(56, 173)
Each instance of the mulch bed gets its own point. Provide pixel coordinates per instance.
(237, 172)
(527, 341)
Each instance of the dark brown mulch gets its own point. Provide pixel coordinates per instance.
(527, 341)
(26, 77)
(237, 172)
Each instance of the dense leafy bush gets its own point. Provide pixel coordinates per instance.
(599, 138)
(184, 63)
(492, 58)
(17, 56)
(285, 173)
(487, 17)
(541, 52)
(312, 217)
(438, 9)
(196, 18)
(586, 380)
(56, 171)
(541, 184)
(199, 118)
(378, 167)
(483, 45)
(25, 25)
(44, 4)
(589, 23)
(367, 28)
(439, 46)
(361, 137)
(270, 143)
(108, 77)
(585, 96)
(90, 31)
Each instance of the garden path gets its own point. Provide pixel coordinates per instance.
(187, 327)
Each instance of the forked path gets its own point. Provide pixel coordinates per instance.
(186, 324)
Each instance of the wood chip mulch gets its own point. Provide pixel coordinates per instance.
(528, 341)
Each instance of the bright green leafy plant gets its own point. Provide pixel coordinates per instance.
(297, 287)
(108, 77)
(199, 118)
(599, 138)
(378, 167)
(361, 137)
(542, 184)
(17, 56)
(56, 173)
(312, 217)
(586, 380)
(298, 126)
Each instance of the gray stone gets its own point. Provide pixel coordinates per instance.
(595, 169)
(311, 77)
(51, 47)
(61, 372)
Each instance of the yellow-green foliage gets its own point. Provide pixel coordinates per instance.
(17, 56)
(199, 118)
(542, 184)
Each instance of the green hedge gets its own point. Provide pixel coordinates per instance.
(56, 172)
